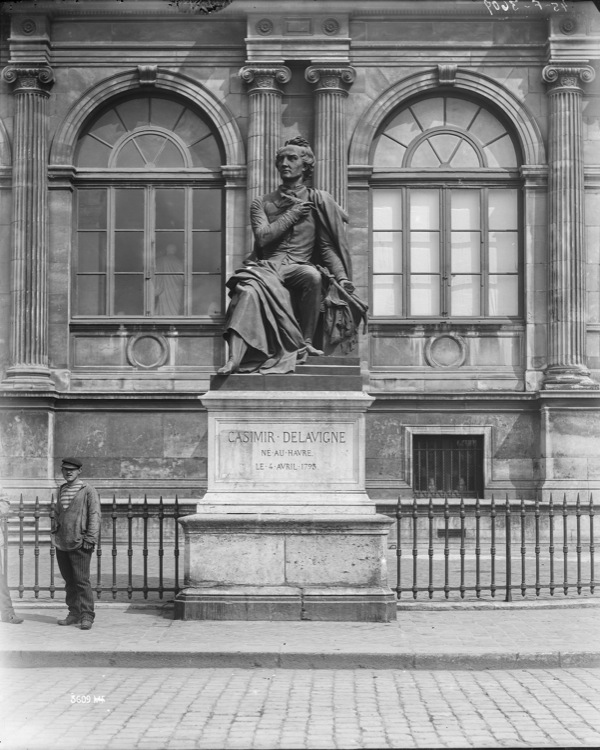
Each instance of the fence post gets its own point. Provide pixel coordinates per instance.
(551, 543)
(415, 549)
(592, 582)
(398, 549)
(578, 517)
(36, 551)
(565, 514)
(507, 530)
(52, 548)
(430, 550)
(493, 547)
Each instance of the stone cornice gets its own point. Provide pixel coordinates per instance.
(330, 77)
(567, 77)
(265, 76)
(29, 78)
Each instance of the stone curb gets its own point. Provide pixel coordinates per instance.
(297, 660)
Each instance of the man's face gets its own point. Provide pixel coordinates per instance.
(70, 473)
(289, 163)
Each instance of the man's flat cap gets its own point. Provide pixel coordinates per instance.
(71, 463)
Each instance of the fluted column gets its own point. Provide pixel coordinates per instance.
(331, 147)
(566, 283)
(29, 302)
(264, 129)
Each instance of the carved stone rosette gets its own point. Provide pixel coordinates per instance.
(331, 147)
(29, 326)
(566, 283)
(264, 128)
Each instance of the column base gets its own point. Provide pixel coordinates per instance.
(28, 378)
(569, 378)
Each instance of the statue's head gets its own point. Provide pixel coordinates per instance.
(306, 154)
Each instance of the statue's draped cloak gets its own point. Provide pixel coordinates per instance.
(263, 316)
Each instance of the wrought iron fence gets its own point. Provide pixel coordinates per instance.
(143, 541)
(489, 548)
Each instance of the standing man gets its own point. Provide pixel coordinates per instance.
(76, 527)
(6, 605)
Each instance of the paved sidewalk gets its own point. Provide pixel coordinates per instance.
(443, 636)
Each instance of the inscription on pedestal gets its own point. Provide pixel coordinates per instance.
(296, 453)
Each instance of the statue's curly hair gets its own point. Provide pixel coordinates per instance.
(308, 158)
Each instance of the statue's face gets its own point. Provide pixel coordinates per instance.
(289, 163)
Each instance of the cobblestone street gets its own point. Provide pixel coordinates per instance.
(119, 709)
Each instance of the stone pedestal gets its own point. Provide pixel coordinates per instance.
(286, 530)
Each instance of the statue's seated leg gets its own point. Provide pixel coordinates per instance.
(237, 349)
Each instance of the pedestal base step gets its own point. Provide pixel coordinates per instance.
(342, 604)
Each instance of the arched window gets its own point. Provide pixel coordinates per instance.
(148, 213)
(446, 213)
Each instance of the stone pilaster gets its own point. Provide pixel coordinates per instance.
(331, 147)
(29, 319)
(264, 129)
(566, 283)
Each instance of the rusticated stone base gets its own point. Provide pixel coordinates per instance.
(285, 567)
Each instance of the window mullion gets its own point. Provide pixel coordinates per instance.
(445, 238)
(188, 250)
(484, 284)
(406, 290)
(110, 252)
(149, 250)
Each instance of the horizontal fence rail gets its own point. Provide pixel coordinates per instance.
(487, 548)
(142, 539)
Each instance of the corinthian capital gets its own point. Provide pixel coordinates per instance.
(265, 77)
(568, 77)
(331, 77)
(29, 79)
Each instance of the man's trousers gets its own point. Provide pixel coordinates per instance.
(74, 567)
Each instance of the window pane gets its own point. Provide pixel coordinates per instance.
(91, 254)
(388, 153)
(504, 256)
(170, 209)
(129, 209)
(108, 128)
(503, 295)
(387, 295)
(151, 144)
(129, 156)
(403, 128)
(129, 294)
(163, 240)
(465, 252)
(170, 156)
(387, 209)
(501, 153)
(424, 252)
(134, 112)
(91, 209)
(206, 295)
(486, 127)
(207, 252)
(129, 251)
(205, 153)
(207, 209)
(387, 252)
(502, 209)
(429, 113)
(164, 112)
(425, 295)
(464, 295)
(91, 295)
(169, 293)
(464, 211)
(466, 157)
(444, 146)
(424, 209)
(191, 128)
(169, 258)
(460, 112)
(424, 156)
(92, 153)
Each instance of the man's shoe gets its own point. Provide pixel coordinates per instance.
(12, 619)
(69, 620)
(86, 624)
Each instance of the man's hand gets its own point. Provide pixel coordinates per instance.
(88, 546)
(348, 286)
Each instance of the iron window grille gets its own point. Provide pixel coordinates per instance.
(448, 466)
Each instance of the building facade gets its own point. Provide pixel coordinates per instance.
(462, 137)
